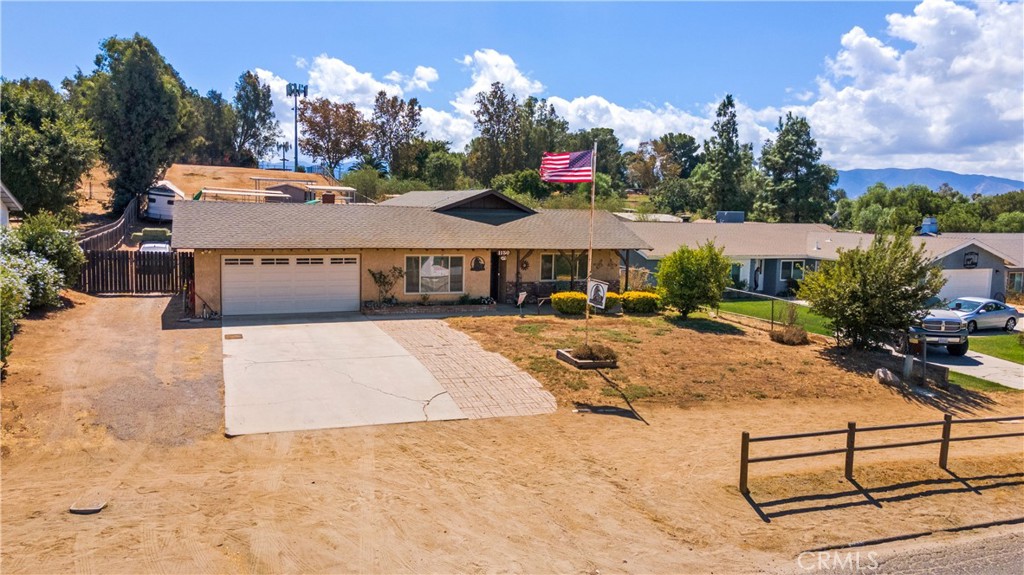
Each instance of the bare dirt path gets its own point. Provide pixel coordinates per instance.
(101, 397)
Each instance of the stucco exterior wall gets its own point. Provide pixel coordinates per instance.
(475, 283)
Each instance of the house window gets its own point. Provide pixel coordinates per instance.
(558, 267)
(1015, 281)
(734, 273)
(433, 274)
(238, 261)
(791, 269)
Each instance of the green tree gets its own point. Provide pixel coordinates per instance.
(604, 189)
(332, 133)
(1006, 223)
(960, 217)
(442, 170)
(366, 181)
(798, 188)
(684, 151)
(394, 126)
(414, 158)
(675, 196)
(213, 143)
(525, 182)
(256, 130)
(693, 277)
(609, 152)
(870, 295)
(540, 130)
(138, 103)
(496, 150)
(45, 146)
(719, 179)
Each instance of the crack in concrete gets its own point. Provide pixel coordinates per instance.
(426, 416)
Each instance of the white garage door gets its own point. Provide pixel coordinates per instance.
(967, 283)
(271, 283)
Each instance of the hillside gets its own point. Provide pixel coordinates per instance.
(856, 182)
(192, 178)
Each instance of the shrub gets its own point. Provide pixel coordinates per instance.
(48, 236)
(640, 302)
(790, 335)
(594, 352)
(693, 277)
(869, 294)
(611, 302)
(385, 281)
(14, 298)
(569, 302)
(43, 280)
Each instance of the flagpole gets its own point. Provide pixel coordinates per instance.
(590, 249)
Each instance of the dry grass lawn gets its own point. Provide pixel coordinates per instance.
(192, 178)
(688, 363)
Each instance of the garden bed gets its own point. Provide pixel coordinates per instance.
(566, 356)
(429, 309)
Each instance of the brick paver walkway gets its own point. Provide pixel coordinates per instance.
(482, 383)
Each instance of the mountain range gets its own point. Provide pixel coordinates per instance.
(856, 182)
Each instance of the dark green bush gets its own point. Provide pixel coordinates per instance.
(52, 238)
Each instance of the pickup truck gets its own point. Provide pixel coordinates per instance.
(940, 327)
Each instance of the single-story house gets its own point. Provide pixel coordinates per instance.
(979, 265)
(766, 256)
(256, 258)
(8, 204)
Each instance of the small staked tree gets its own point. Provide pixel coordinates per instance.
(693, 277)
(870, 295)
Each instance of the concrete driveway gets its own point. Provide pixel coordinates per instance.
(292, 373)
(980, 365)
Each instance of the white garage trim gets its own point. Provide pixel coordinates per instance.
(967, 283)
(276, 283)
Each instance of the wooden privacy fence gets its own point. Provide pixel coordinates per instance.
(851, 442)
(131, 272)
(109, 236)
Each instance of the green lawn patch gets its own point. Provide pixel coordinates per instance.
(533, 329)
(978, 384)
(763, 310)
(1006, 346)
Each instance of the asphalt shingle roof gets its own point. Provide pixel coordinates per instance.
(751, 239)
(240, 225)
(431, 199)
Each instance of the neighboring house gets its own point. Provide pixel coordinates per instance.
(253, 258)
(767, 256)
(979, 265)
(8, 204)
(295, 192)
(158, 201)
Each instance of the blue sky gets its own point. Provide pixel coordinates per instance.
(933, 84)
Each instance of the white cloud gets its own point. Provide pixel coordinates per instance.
(489, 66)
(944, 88)
(339, 81)
(953, 100)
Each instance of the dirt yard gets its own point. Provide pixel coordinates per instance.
(191, 178)
(114, 399)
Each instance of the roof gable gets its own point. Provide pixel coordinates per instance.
(449, 200)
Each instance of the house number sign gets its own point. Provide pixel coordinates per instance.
(971, 260)
(503, 254)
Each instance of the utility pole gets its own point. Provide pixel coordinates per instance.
(294, 90)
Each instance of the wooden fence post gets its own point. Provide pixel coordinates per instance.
(947, 425)
(744, 460)
(851, 439)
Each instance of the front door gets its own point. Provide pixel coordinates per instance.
(498, 260)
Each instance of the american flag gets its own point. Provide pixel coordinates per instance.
(568, 167)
